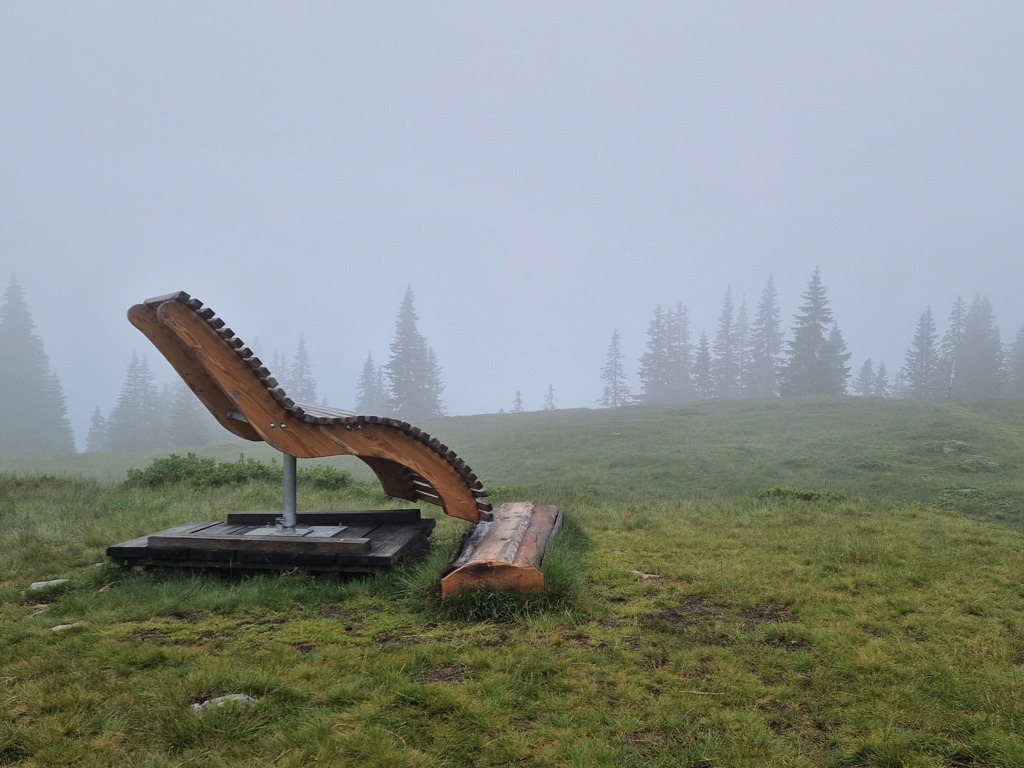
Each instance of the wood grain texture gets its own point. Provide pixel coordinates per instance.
(504, 554)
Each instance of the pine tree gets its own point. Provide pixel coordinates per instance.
(371, 391)
(979, 359)
(1015, 367)
(412, 368)
(725, 366)
(301, 384)
(517, 402)
(35, 421)
(549, 399)
(864, 384)
(189, 424)
(96, 439)
(765, 345)
(743, 356)
(881, 387)
(949, 348)
(655, 380)
(134, 424)
(923, 380)
(816, 360)
(616, 390)
(702, 380)
(678, 356)
(839, 355)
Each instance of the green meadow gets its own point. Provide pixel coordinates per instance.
(819, 582)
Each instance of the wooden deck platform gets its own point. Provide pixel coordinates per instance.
(370, 541)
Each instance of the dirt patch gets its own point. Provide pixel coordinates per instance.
(769, 612)
(692, 610)
(396, 641)
(447, 673)
(192, 617)
(303, 647)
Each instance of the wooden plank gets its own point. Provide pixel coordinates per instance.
(287, 558)
(138, 547)
(343, 517)
(262, 543)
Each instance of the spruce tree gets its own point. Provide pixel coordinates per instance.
(702, 381)
(1015, 366)
(881, 387)
(839, 355)
(517, 402)
(35, 421)
(979, 359)
(765, 345)
(922, 366)
(743, 348)
(616, 390)
(189, 423)
(549, 399)
(371, 391)
(134, 424)
(412, 368)
(678, 356)
(654, 376)
(815, 365)
(96, 439)
(725, 364)
(864, 384)
(949, 347)
(301, 384)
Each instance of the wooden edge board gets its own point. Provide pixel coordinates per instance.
(346, 517)
(261, 543)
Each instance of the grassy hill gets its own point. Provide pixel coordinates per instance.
(963, 456)
(866, 623)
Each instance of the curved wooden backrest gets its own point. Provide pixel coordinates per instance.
(241, 394)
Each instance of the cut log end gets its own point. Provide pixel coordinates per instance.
(504, 553)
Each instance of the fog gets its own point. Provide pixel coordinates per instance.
(540, 174)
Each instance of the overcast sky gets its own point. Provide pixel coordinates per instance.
(539, 173)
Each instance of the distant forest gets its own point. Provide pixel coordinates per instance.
(748, 357)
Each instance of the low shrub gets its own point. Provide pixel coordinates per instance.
(197, 472)
(801, 494)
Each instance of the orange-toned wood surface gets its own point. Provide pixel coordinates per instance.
(506, 553)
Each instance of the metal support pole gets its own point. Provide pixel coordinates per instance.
(287, 522)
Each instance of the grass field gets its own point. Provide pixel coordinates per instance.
(867, 612)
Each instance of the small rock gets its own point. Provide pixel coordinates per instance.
(46, 584)
(239, 699)
(645, 576)
(65, 627)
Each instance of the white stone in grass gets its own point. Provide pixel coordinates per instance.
(238, 699)
(36, 585)
(65, 627)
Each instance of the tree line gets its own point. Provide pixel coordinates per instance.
(750, 357)
(747, 356)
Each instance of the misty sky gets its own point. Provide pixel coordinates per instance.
(540, 173)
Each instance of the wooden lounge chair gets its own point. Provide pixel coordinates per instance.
(239, 391)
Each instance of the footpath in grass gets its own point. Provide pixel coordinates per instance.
(786, 629)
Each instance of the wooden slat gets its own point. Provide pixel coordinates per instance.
(348, 517)
(261, 543)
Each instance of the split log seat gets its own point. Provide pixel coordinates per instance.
(504, 553)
